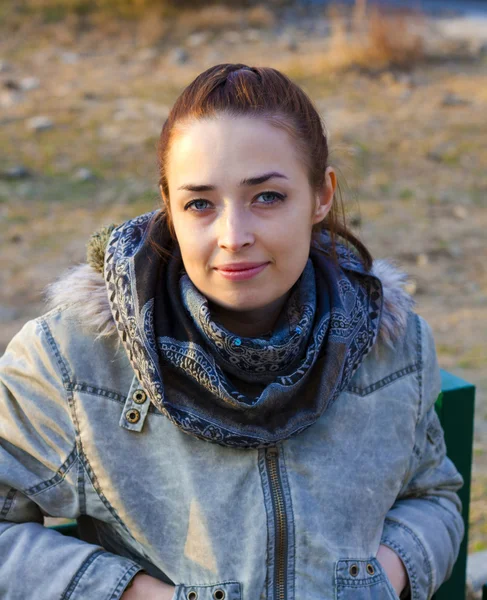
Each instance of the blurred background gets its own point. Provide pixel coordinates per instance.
(85, 87)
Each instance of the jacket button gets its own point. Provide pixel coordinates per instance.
(218, 594)
(192, 595)
(132, 415)
(370, 569)
(353, 570)
(139, 396)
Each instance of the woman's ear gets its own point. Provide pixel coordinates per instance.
(324, 200)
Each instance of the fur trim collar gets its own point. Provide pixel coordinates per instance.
(83, 288)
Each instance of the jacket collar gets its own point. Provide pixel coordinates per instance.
(84, 290)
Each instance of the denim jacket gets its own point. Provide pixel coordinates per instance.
(303, 520)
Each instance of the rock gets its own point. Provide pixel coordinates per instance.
(5, 67)
(453, 100)
(197, 39)
(459, 212)
(69, 58)
(455, 251)
(231, 37)
(90, 96)
(7, 313)
(178, 56)
(11, 84)
(17, 172)
(29, 83)
(252, 35)
(84, 174)
(422, 259)
(147, 54)
(355, 220)
(40, 123)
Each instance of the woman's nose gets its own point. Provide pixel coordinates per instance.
(234, 231)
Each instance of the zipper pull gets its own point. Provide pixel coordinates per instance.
(273, 451)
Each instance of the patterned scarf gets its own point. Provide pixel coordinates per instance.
(228, 389)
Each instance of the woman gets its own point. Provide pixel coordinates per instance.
(266, 429)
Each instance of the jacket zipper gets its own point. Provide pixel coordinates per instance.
(280, 523)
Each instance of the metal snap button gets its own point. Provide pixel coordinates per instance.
(139, 396)
(132, 415)
(353, 570)
(192, 595)
(218, 594)
(370, 569)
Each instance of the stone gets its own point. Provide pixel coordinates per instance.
(197, 39)
(178, 56)
(460, 212)
(84, 174)
(355, 220)
(29, 83)
(422, 259)
(252, 35)
(16, 172)
(453, 100)
(147, 54)
(231, 37)
(11, 84)
(69, 58)
(40, 123)
(8, 313)
(5, 67)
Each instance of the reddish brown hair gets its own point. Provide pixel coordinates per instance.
(263, 92)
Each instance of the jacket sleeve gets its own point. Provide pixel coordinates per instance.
(39, 459)
(424, 526)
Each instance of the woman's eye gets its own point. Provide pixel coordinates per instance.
(197, 205)
(272, 197)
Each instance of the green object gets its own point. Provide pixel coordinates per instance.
(67, 529)
(455, 408)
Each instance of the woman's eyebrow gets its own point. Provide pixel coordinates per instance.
(248, 181)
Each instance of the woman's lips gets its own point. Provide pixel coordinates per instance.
(235, 273)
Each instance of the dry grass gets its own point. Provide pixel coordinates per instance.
(374, 38)
(139, 22)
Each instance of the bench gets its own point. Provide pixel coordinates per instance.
(455, 408)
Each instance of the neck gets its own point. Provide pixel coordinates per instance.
(256, 322)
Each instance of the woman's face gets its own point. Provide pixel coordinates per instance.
(242, 210)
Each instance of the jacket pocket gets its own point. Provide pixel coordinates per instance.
(362, 579)
(227, 590)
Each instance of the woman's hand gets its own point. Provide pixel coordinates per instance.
(145, 587)
(394, 568)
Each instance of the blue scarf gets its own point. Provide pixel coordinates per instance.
(228, 389)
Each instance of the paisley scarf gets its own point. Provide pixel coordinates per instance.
(221, 387)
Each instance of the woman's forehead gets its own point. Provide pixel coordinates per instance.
(233, 149)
